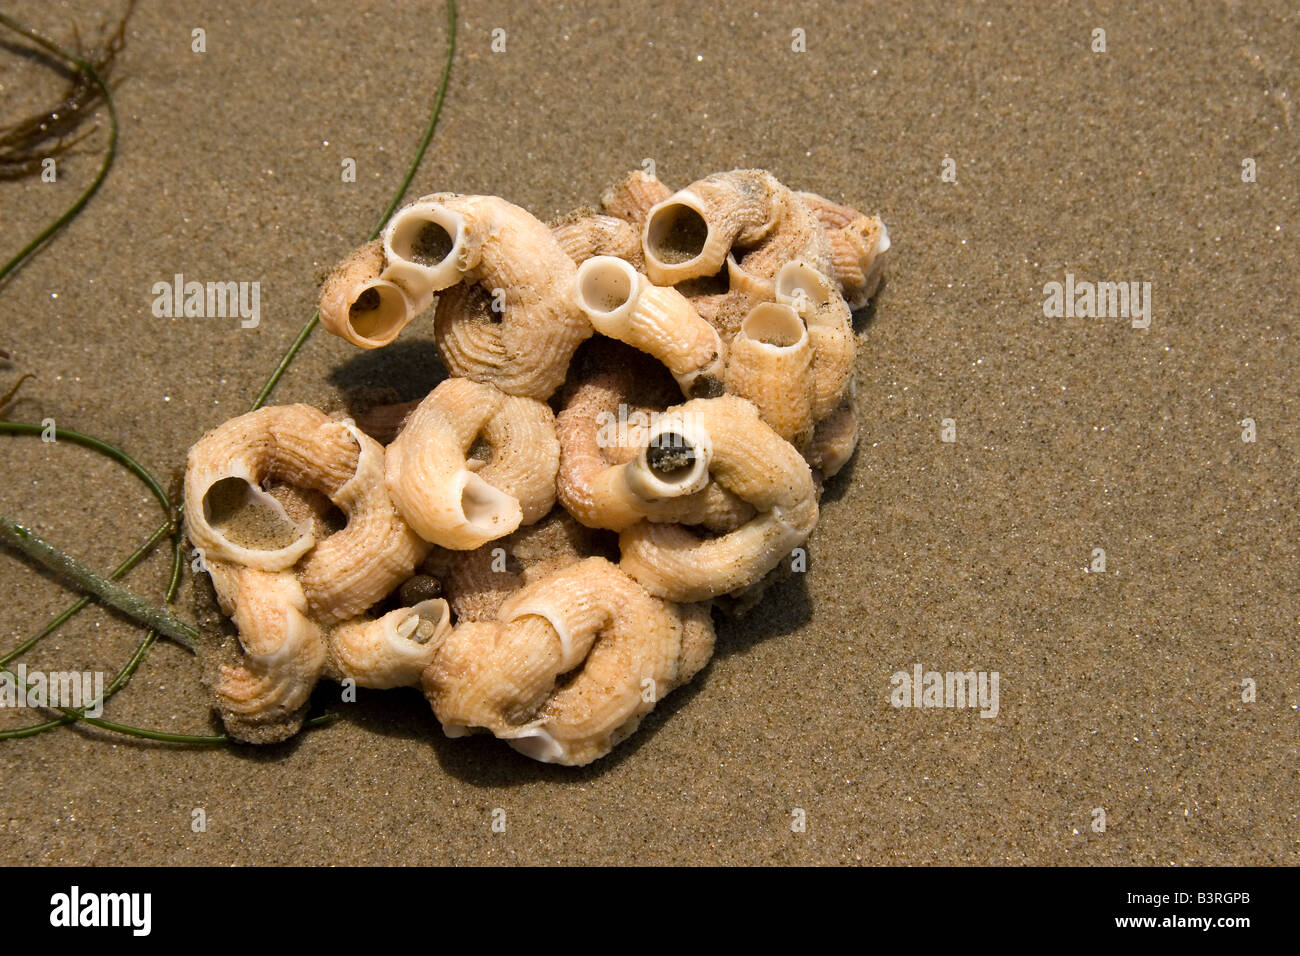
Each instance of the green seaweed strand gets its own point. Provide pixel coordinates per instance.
(114, 595)
(168, 527)
(81, 602)
(71, 715)
(429, 128)
(109, 154)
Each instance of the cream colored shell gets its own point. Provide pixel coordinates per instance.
(262, 696)
(632, 198)
(858, 244)
(834, 440)
(796, 234)
(690, 234)
(389, 651)
(621, 649)
(512, 321)
(753, 462)
(811, 294)
(771, 365)
(584, 235)
(735, 292)
(358, 305)
(458, 502)
(344, 573)
(622, 304)
(609, 448)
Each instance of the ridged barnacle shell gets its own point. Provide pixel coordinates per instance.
(350, 570)
(389, 651)
(456, 500)
(358, 305)
(632, 198)
(230, 518)
(810, 292)
(745, 289)
(689, 234)
(621, 461)
(584, 234)
(771, 365)
(858, 244)
(262, 698)
(796, 233)
(756, 464)
(507, 317)
(477, 582)
(834, 440)
(623, 649)
(622, 304)
(430, 244)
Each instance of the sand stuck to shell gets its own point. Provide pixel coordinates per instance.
(539, 546)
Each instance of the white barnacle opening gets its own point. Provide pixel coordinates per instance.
(535, 741)
(377, 312)
(240, 522)
(425, 247)
(775, 326)
(804, 288)
(425, 622)
(673, 461)
(486, 512)
(679, 242)
(608, 289)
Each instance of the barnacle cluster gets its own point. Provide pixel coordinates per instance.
(541, 544)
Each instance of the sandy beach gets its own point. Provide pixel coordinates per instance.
(1003, 153)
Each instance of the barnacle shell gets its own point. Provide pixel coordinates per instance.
(228, 516)
(615, 471)
(830, 330)
(771, 365)
(735, 292)
(584, 235)
(627, 648)
(262, 697)
(834, 440)
(622, 304)
(755, 463)
(632, 198)
(512, 321)
(689, 234)
(389, 651)
(350, 570)
(344, 573)
(697, 639)
(858, 244)
(429, 245)
(357, 305)
(796, 233)
(477, 582)
(460, 503)
(728, 312)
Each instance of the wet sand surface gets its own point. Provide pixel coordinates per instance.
(1120, 691)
